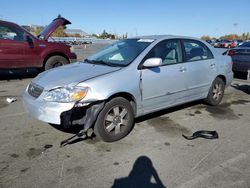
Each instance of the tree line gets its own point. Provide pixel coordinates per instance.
(244, 36)
(60, 32)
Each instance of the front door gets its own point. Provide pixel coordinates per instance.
(12, 47)
(165, 85)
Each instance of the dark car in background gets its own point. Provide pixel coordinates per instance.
(21, 49)
(238, 42)
(241, 60)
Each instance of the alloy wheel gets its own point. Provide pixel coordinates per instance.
(217, 91)
(116, 120)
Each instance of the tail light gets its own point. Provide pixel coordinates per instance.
(231, 53)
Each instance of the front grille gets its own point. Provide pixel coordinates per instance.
(35, 90)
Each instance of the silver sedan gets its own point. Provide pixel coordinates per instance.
(127, 79)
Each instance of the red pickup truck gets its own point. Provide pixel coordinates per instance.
(21, 49)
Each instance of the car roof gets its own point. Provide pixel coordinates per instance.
(8, 23)
(2, 21)
(160, 37)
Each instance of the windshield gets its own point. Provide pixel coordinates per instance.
(120, 53)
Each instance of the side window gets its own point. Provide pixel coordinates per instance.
(169, 51)
(11, 33)
(195, 50)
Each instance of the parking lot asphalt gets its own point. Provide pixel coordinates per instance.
(153, 153)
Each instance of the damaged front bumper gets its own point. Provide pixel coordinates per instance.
(48, 112)
(65, 114)
(85, 115)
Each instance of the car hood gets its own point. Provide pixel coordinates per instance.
(60, 21)
(71, 74)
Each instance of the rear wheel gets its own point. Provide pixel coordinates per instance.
(216, 92)
(115, 120)
(55, 61)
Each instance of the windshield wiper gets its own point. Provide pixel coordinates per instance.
(101, 62)
(88, 61)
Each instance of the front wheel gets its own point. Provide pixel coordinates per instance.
(216, 92)
(55, 61)
(115, 120)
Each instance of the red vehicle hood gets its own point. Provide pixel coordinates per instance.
(45, 34)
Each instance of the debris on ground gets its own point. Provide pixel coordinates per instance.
(11, 99)
(203, 134)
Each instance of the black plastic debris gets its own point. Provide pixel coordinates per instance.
(202, 134)
(81, 135)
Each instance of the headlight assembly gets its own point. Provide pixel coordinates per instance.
(66, 94)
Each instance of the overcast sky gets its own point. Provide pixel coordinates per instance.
(176, 17)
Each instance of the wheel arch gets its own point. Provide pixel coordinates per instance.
(222, 77)
(54, 54)
(128, 97)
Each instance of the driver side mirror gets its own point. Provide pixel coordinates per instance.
(152, 62)
(29, 40)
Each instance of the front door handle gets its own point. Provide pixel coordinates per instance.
(183, 69)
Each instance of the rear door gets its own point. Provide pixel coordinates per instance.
(165, 85)
(12, 47)
(201, 68)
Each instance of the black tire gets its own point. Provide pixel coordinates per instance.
(115, 120)
(216, 92)
(55, 61)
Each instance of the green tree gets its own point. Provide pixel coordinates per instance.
(60, 32)
(37, 31)
(245, 36)
(95, 35)
(77, 35)
(206, 37)
(104, 34)
(231, 37)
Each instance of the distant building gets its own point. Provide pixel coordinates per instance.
(76, 31)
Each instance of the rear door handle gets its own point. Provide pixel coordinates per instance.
(183, 69)
(212, 64)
